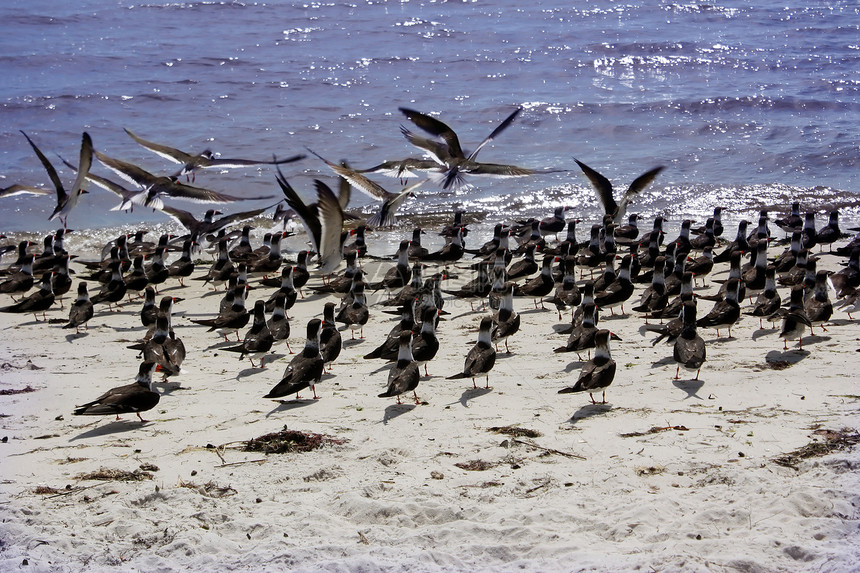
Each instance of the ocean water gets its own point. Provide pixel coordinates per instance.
(748, 104)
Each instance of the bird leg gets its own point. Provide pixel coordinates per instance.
(487, 387)
(417, 401)
(314, 390)
(138, 415)
(593, 401)
(677, 373)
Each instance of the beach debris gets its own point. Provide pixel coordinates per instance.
(655, 430)
(833, 441)
(515, 431)
(287, 441)
(107, 474)
(475, 465)
(13, 391)
(209, 489)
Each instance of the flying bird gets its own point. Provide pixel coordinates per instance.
(603, 188)
(67, 200)
(203, 160)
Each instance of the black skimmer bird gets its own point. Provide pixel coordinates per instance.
(794, 320)
(356, 314)
(482, 357)
(452, 251)
(287, 289)
(768, 301)
(279, 324)
(599, 372)
(450, 162)
(808, 235)
(232, 319)
(689, 350)
(258, 340)
(20, 281)
(134, 398)
(67, 200)
(725, 312)
(619, 291)
(386, 215)
(323, 222)
(191, 163)
(305, 369)
(155, 187)
(164, 349)
(36, 302)
(541, 285)
(400, 274)
(80, 311)
(183, 266)
(793, 222)
(425, 344)
(331, 342)
(603, 188)
(506, 321)
(405, 374)
(18, 189)
(818, 306)
(830, 233)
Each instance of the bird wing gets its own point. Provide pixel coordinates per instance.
(219, 162)
(386, 215)
(169, 153)
(602, 187)
(62, 196)
(308, 216)
(636, 186)
(502, 126)
(357, 179)
(438, 151)
(402, 168)
(331, 224)
(128, 171)
(437, 128)
(17, 189)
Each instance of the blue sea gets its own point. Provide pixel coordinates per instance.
(749, 105)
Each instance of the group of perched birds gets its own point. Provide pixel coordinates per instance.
(524, 259)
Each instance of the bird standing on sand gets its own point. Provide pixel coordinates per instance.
(81, 311)
(39, 301)
(597, 373)
(305, 369)
(404, 375)
(135, 398)
(482, 357)
(258, 340)
(689, 350)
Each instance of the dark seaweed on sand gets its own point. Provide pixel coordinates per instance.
(287, 441)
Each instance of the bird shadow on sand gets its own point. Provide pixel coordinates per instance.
(691, 387)
(72, 337)
(665, 361)
(111, 428)
(246, 372)
(764, 332)
(472, 393)
(588, 411)
(574, 365)
(350, 342)
(286, 405)
(788, 357)
(395, 410)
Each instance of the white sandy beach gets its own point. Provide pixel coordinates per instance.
(667, 476)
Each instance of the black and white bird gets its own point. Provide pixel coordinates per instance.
(603, 188)
(599, 372)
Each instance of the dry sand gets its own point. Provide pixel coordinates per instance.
(667, 476)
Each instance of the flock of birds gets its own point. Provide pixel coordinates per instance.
(519, 261)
